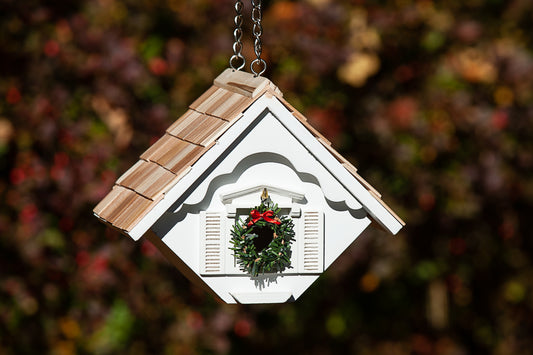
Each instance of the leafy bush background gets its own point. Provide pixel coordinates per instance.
(431, 100)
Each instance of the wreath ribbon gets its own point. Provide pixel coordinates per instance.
(267, 216)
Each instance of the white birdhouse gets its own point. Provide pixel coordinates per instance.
(192, 192)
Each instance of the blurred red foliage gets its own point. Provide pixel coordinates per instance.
(430, 100)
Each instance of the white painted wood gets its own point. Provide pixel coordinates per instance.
(317, 184)
(231, 267)
(307, 177)
(212, 247)
(340, 238)
(199, 167)
(225, 286)
(239, 201)
(234, 281)
(382, 216)
(376, 210)
(296, 212)
(311, 243)
(228, 196)
(261, 297)
(253, 148)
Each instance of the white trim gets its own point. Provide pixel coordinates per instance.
(372, 206)
(205, 161)
(212, 243)
(261, 297)
(310, 241)
(228, 196)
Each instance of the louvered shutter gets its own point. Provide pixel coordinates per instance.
(212, 253)
(311, 243)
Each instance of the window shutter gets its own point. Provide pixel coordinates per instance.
(212, 252)
(311, 244)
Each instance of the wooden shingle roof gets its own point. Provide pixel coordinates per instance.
(162, 165)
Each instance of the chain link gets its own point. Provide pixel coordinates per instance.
(257, 32)
(237, 56)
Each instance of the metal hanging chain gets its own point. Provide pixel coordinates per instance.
(257, 32)
(237, 56)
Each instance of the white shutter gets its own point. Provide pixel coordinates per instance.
(212, 251)
(311, 243)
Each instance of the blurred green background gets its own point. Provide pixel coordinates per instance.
(431, 100)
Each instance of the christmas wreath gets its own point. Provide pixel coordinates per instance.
(262, 243)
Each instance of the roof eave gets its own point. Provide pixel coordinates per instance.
(201, 165)
(373, 205)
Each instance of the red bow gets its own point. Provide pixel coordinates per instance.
(267, 216)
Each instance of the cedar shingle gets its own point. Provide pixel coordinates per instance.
(205, 96)
(147, 178)
(173, 153)
(222, 103)
(198, 128)
(204, 102)
(185, 158)
(186, 123)
(164, 146)
(127, 216)
(115, 202)
(229, 106)
(113, 197)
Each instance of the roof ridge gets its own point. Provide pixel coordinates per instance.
(243, 83)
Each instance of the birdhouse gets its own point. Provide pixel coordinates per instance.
(241, 166)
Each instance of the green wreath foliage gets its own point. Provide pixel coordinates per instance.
(273, 258)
